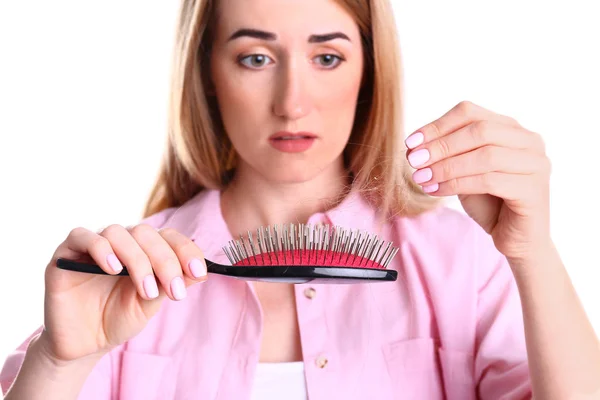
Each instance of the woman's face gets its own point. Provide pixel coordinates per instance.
(287, 74)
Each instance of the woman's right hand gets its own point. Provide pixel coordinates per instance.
(89, 314)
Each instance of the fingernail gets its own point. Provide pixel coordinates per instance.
(422, 175)
(114, 263)
(414, 140)
(197, 268)
(178, 288)
(419, 157)
(150, 286)
(431, 188)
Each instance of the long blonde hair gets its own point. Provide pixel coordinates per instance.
(198, 153)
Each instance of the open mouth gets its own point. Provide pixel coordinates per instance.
(289, 142)
(284, 135)
(295, 137)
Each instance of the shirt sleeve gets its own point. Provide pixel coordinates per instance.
(100, 384)
(13, 363)
(501, 367)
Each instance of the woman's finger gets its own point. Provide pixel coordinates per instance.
(81, 241)
(163, 260)
(473, 136)
(461, 115)
(509, 187)
(132, 255)
(480, 161)
(189, 254)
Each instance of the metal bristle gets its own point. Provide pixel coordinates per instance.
(273, 246)
(373, 247)
(378, 250)
(389, 260)
(259, 238)
(276, 234)
(226, 251)
(289, 244)
(244, 248)
(286, 242)
(384, 254)
(292, 241)
(233, 251)
(252, 248)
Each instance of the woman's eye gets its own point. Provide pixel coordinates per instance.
(255, 60)
(328, 60)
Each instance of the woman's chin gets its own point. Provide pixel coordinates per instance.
(288, 177)
(295, 174)
(289, 172)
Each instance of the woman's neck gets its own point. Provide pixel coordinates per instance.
(251, 201)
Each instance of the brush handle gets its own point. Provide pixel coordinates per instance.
(89, 268)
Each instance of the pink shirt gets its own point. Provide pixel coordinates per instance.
(449, 327)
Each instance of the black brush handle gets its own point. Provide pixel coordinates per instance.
(71, 265)
(89, 268)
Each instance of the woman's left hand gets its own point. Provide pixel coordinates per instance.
(498, 169)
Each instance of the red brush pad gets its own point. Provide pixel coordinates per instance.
(323, 258)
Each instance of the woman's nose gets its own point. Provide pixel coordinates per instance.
(292, 100)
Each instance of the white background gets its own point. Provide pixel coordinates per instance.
(83, 89)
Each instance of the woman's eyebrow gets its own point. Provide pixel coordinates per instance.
(264, 35)
(327, 37)
(253, 33)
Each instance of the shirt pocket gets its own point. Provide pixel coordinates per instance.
(146, 376)
(419, 369)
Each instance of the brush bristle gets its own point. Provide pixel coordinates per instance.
(302, 244)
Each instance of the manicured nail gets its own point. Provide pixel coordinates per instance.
(422, 175)
(178, 288)
(418, 158)
(197, 268)
(150, 286)
(414, 140)
(114, 263)
(431, 188)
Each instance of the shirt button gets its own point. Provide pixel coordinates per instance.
(321, 362)
(310, 293)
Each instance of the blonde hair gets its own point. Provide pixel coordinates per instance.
(199, 154)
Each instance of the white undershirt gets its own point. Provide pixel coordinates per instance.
(275, 381)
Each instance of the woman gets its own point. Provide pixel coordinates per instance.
(290, 112)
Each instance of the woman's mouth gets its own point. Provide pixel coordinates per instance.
(290, 142)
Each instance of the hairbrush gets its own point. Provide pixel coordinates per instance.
(296, 254)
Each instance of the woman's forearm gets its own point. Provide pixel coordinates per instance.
(563, 349)
(41, 378)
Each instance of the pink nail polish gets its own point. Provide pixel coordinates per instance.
(197, 268)
(414, 140)
(150, 286)
(114, 263)
(418, 158)
(422, 175)
(178, 288)
(431, 188)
